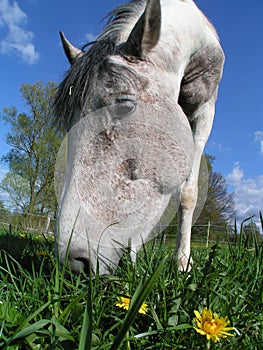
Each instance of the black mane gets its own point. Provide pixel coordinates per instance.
(79, 81)
(83, 73)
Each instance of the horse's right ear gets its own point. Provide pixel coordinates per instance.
(71, 51)
(145, 34)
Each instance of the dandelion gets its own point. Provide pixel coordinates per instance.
(42, 253)
(124, 303)
(22, 235)
(211, 325)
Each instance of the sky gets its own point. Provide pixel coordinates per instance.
(30, 51)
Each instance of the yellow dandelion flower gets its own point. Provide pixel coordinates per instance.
(42, 253)
(211, 325)
(22, 235)
(124, 303)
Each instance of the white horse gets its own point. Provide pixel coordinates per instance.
(138, 107)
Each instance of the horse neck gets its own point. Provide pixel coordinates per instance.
(184, 31)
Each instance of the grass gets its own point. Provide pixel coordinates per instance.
(45, 307)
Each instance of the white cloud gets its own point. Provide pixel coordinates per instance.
(248, 193)
(18, 39)
(236, 176)
(259, 138)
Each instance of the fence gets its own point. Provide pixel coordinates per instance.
(15, 221)
(201, 234)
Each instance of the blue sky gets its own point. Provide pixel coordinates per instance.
(30, 50)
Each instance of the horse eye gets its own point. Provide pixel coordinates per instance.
(124, 108)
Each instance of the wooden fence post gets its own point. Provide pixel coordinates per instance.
(47, 224)
(208, 234)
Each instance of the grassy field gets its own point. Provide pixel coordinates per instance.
(44, 306)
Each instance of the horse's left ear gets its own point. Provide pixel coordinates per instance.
(145, 34)
(71, 51)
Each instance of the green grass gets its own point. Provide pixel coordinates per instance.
(45, 307)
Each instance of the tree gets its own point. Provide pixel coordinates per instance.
(251, 228)
(18, 191)
(219, 204)
(3, 211)
(34, 144)
(251, 232)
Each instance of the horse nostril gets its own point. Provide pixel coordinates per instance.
(82, 264)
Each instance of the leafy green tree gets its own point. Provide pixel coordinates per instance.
(3, 211)
(252, 231)
(219, 205)
(34, 144)
(18, 190)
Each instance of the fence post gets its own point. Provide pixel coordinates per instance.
(208, 234)
(47, 224)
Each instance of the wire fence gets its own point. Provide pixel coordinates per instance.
(206, 234)
(20, 222)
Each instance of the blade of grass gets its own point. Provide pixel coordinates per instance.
(31, 329)
(65, 263)
(141, 293)
(261, 220)
(156, 319)
(86, 330)
(67, 311)
(27, 331)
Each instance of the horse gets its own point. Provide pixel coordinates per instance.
(138, 107)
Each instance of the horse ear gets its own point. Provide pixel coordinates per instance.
(71, 51)
(145, 34)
